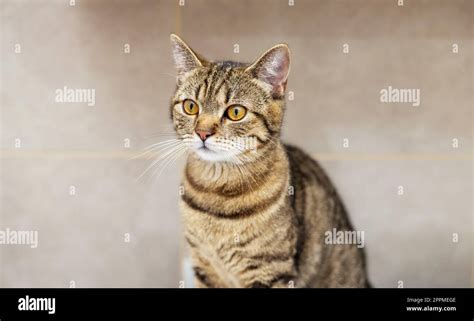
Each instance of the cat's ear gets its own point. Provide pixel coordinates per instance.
(185, 59)
(273, 68)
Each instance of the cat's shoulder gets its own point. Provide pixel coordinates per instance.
(301, 163)
(297, 155)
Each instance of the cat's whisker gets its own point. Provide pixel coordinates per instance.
(241, 176)
(254, 175)
(167, 74)
(184, 145)
(235, 162)
(250, 174)
(155, 148)
(157, 163)
(244, 172)
(166, 134)
(148, 168)
(169, 150)
(160, 135)
(158, 146)
(165, 142)
(172, 158)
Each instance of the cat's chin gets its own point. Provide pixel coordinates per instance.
(209, 155)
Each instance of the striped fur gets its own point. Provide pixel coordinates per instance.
(259, 222)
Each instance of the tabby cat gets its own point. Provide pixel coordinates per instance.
(255, 211)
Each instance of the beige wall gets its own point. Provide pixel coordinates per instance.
(81, 237)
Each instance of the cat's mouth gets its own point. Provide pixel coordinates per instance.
(214, 150)
(205, 149)
(211, 153)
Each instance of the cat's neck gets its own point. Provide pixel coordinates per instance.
(234, 178)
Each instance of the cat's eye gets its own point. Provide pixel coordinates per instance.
(236, 112)
(190, 107)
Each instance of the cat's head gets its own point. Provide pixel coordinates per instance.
(227, 111)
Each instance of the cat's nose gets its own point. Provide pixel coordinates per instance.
(204, 134)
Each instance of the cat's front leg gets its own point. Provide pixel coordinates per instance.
(279, 273)
(280, 280)
(268, 261)
(204, 274)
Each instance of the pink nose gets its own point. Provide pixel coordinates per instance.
(204, 134)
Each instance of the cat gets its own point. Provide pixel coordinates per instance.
(255, 210)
